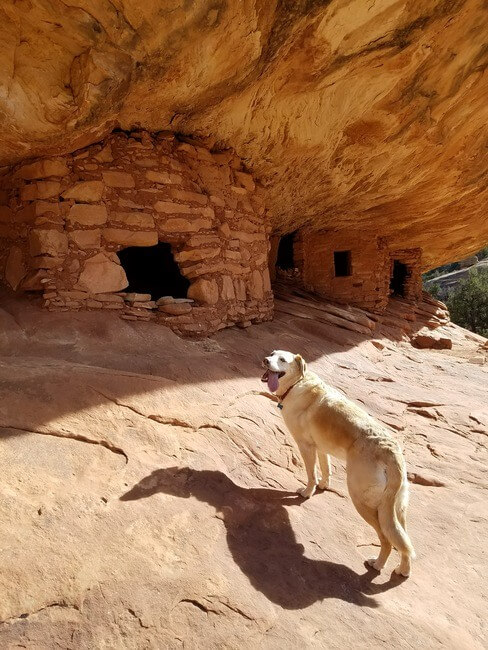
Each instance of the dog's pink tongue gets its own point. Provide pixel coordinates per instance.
(272, 381)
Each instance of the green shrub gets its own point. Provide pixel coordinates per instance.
(468, 302)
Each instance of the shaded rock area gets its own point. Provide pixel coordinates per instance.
(148, 487)
(369, 115)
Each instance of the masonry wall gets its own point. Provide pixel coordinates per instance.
(412, 258)
(368, 284)
(63, 219)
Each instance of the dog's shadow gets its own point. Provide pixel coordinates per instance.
(261, 539)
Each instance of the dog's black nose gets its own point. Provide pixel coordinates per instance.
(266, 361)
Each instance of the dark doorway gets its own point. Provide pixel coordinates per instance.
(153, 270)
(398, 279)
(342, 264)
(285, 259)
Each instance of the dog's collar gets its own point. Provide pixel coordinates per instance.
(282, 398)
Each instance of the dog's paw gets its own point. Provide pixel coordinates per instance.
(324, 483)
(374, 564)
(400, 571)
(306, 492)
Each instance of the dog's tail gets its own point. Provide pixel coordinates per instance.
(396, 486)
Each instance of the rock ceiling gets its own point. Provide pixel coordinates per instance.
(365, 114)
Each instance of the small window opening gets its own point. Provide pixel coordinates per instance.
(285, 259)
(342, 264)
(398, 279)
(152, 269)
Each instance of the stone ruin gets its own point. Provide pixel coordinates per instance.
(346, 266)
(160, 228)
(153, 227)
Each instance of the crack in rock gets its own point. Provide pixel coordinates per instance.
(72, 436)
(26, 615)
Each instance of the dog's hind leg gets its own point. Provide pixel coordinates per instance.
(309, 455)
(371, 517)
(325, 468)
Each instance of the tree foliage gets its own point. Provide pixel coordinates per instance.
(468, 302)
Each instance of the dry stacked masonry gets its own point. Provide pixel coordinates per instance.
(149, 226)
(162, 229)
(351, 267)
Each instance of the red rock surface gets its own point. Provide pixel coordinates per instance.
(147, 490)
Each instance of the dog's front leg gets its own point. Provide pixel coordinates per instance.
(326, 469)
(309, 455)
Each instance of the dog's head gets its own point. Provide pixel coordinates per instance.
(282, 369)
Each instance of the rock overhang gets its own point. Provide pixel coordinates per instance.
(370, 118)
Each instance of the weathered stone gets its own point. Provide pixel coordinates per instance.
(110, 297)
(49, 218)
(228, 292)
(199, 240)
(238, 190)
(135, 219)
(425, 339)
(217, 200)
(118, 179)
(175, 308)
(15, 268)
(246, 180)
(240, 288)
(127, 203)
(168, 207)
(130, 237)
(88, 215)
(137, 297)
(40, 190)
(85, 192)
(102, 275)
(105, 154)
(38, 208)
(148, 304)
(192, 197)
(224, 230)
(247, 237)
(163, 177)
(86, 238)
(146, 162)
(184, 225)
(73, 294)
(42, 169)
(165, 300)
(48, 242)
(205, 291)
(197, 254)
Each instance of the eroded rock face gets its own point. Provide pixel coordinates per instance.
(148, 490)
(363, 115)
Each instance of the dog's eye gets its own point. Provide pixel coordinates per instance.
(282, 359)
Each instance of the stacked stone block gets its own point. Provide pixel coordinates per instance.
(64, 219)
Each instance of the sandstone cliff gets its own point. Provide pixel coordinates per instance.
(368, 115)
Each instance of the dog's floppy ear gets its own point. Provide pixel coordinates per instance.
(302, 366)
